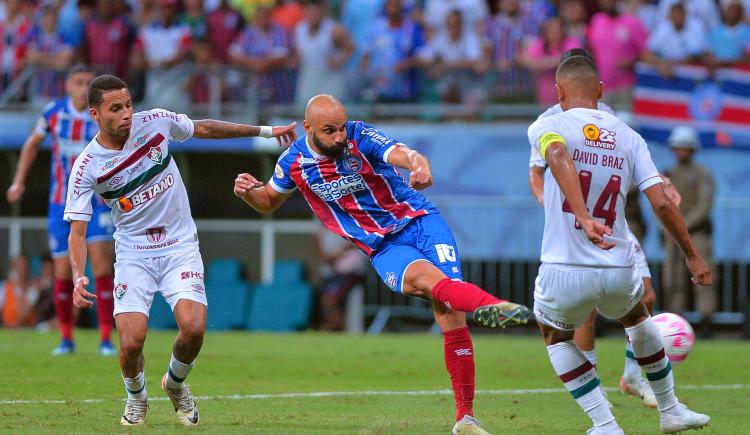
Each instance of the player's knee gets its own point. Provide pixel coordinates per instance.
(649, 298)
(193, 333)
(637, 314)
(131, 346)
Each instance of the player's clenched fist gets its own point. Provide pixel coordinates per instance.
(421, 178)
(81, 296)
(700, 271)
(244, 183)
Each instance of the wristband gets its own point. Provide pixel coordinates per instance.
(266, 131)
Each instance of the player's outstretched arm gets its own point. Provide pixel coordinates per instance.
(77, 253)
(536, 183)
(420, 172)
(213, 129)
(263, 198)
(26, 160)
(564, 171)
(670, 217)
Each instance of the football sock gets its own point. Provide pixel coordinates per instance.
(459, 360)
(632, 369)
(580, 379)
(136, 387)
(178, 371)
(63, 297)
(105, 305)
(590, 355)
(648, 350)
(461, 296)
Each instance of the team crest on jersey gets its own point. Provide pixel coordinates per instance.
(390, 280)
(154, 153)
(599, 137)
(352, 164)
(157, 234)
(120, 290)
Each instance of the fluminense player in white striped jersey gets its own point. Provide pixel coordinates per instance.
(632, 381)
(588, 261)
(129, 165)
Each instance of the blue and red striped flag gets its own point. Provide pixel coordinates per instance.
(717, 105)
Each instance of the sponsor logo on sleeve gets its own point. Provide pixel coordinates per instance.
(446, 253)
(279, 171)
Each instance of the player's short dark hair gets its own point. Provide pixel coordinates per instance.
(577, 66)
(80, 68)
(101, 85)
(576, 52)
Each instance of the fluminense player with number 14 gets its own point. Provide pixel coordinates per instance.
(589, 262)
(130, 166)
(346, 170)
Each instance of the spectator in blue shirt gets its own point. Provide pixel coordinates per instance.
(727, 42)
(389, 58)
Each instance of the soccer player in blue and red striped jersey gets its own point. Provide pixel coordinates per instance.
(67, 120)
(347, 172)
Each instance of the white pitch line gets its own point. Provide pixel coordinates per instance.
(364, 393)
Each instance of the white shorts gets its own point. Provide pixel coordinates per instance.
(177, 276)
(640, 262)
(565, 295)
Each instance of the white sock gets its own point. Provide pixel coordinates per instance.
(580, 379)
(590, 355)
(648, 349)
(632, 370)
(177, 372)
(136, 387)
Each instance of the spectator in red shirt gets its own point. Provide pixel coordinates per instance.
(15, 32)
(108, 40)
(287, 14)
(224, 24)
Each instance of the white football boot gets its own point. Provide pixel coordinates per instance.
(135, 412)
(679, 418)
(640, 388)
(183, 402)
(602, 431)
(468, 425)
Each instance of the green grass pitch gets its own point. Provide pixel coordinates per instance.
(84, 392)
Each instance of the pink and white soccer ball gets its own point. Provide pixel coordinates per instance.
(677, 335)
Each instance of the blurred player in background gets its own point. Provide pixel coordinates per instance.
(593, 158)
(632, 380)
(347, 172)
(130, 166)
(71, 127)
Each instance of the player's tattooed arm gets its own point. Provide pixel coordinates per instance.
(420, 172)
(77, 253)
(214, 129)
(263, 198)
(669, 215)
(564, 170)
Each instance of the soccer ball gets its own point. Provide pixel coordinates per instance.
(677, 335)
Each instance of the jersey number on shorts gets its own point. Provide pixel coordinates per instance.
(607, 197)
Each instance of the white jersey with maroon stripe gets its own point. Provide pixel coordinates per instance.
(608, 156)
(141, 184)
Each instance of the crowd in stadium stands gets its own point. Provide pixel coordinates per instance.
(284, 51)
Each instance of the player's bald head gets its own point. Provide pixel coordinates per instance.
(325, 123)
(577, 78)
(322, 107)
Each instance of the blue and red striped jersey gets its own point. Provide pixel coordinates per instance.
(359, 195)
(71, 131)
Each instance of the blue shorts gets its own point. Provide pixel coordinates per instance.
(100, 227)
(427, 238)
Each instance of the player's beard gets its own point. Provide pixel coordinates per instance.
(333, 151)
